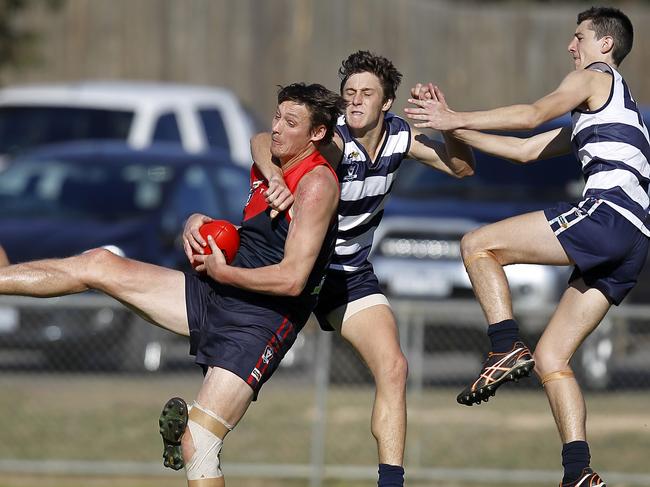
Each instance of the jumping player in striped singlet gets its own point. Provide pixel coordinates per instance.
(369, 148)
(604, 236)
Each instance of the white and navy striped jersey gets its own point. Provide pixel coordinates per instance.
(365, 188)
(613, 147)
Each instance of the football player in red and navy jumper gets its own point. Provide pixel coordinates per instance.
(241, 318)
(248, 332)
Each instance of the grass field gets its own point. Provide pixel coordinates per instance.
(114, 419)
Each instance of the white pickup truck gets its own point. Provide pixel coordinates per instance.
(200, 118)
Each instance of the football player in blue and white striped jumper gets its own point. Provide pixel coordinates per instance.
(604, 236)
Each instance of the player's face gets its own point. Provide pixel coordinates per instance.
(584, 47)
(365, 97)
(291, 134)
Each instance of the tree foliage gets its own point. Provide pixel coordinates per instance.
(17, 40)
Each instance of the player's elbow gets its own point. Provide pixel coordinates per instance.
(532, 118)
(525, 153)
(462, 168)
(464, 172)
(294, 286)
(293, 283)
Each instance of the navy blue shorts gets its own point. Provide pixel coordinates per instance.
(234, 334)
(341, 288)
(608, 250)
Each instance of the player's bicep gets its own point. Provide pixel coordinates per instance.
(315, 206)
(569, 95)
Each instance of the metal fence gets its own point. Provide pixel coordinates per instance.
(82, 380)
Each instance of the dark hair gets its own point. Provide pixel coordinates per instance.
(365, 61)
(324, 105)
(608, 21)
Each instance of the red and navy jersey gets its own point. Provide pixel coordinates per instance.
(262, 241)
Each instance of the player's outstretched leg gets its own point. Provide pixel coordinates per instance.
(172, 422)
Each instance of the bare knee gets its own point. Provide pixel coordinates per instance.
(547, 362)
(472, 244)
(392, 371)
(97, 266)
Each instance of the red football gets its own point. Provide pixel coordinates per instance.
(225, 235)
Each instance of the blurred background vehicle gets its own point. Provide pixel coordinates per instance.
(67, 198)
(199, 118)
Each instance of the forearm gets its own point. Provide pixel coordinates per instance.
(513, 117)
(277, 279)
(511, 148)
(461, 158)
(261, 153)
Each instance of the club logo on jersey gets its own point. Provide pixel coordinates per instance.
(251, 192)
(563, 222)
(267, 355)
(257, 375)
(352, 157)
(352, 172)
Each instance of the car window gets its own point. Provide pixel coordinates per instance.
(76, 190)
(193, 193)
(217, 191)
(167, 128)
(233, 184)
(22, 127)
(214, 128)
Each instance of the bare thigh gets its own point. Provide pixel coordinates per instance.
(226, 394)
(373, 333)
(522, 239)
(154, 292)
(579, 312)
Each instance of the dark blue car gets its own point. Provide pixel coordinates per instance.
(65, 199)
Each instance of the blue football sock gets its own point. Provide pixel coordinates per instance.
(575, 457)
(390, 476)
(503, 335)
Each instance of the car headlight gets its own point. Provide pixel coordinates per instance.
(420, 248)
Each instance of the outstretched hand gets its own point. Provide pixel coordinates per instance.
(278, 196)
(431, 109)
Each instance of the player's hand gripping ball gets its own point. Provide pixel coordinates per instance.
(224, 234)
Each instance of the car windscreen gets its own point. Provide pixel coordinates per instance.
(83, 189)
(23, 127)
(495, 179)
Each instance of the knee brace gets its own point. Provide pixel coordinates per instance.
(481, 254)
(207, 430)
(557, 375)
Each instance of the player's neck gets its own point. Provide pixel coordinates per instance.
(288, 163)
(371, 139)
